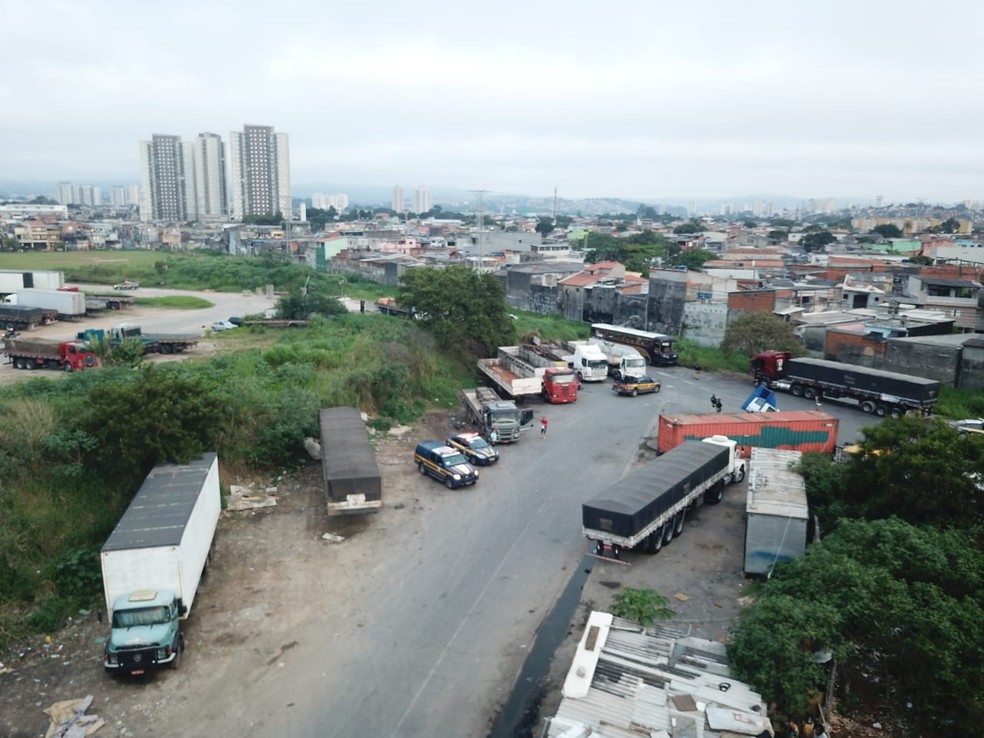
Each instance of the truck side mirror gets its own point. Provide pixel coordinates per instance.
(182, 609)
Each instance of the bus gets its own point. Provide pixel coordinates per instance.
(658, 347)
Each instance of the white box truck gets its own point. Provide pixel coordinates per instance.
(68, 304)
(153, 561)
(777, 514)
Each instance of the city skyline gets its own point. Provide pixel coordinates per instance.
(640, 101)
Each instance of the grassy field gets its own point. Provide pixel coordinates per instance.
(68, 260)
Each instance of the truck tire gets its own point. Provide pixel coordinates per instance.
(715, 494)
(421, 468)
(678, 523)
(738, 475)
(797, 390)
(868, 407)
(668, 533)
(896, 412)
(881, 411)
(67, 367)
(809, 393)
(656, 540)
(166, 348)
(449, 482)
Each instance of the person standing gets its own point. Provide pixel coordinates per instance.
(543, 426)
(493, 437)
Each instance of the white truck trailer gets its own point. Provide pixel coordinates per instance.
(647, 508)
(776, 512)
(15, 280)
(70, 305)
(153, 561)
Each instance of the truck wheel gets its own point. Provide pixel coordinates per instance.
(668, 533)
(715, 494)
(421, 468)
(449, 482)
(809, 393)
(67, 367)
(737, 476)
(678, 523)
(797, 390)
(166, 348)
(881, 411)
(896, 412)
(868, 407)
(657, 540)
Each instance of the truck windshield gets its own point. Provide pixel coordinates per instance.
(564, 378)
(141, 616)
(505, 414)
(637, 363)
(454, 460)
(597, 363)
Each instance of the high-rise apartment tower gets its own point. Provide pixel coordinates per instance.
(260, 162)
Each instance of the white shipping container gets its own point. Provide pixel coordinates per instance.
(776, 511)
(66, 303)
(164, 537)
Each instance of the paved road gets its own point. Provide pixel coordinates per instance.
(451, 601)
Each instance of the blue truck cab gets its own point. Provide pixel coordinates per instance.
(445, 464)
(145, 633)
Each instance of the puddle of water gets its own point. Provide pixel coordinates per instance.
(519, 715)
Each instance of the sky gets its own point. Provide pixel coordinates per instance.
(639, 100)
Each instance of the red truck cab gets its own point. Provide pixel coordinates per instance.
(559, 385)
(769, 365)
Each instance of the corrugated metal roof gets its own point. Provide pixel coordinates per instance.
(648, 681)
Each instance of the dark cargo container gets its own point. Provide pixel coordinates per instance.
(917, 389)
(631, 504)
(352, 480)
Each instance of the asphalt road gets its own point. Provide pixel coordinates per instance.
(449, 603)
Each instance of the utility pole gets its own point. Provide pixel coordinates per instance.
(481, 227)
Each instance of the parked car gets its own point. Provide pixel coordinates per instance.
(967, 424)
(236, 320)
(445, 464)
(475, 448)
(222, 325)
(636, 385)
(126, 285)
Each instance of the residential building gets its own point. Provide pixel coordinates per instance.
(260, 164)
(117, 196)
(165, 171)
(210, 177)
(422, 202)
(398, 203)
(66, 193)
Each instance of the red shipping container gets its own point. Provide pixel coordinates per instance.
(798, 430)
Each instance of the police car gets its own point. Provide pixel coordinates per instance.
(475, 448)
(445, 464)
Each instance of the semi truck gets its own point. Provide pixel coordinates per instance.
(874, 391)
(798, 430)
(70, 305)
(153, 561)
(95, 302)
(622, 361)
(520, 372)
(17, 318)
(162, 343)
(587, 360)
(648, 507)
(39, 353)
(352, 480)
(485, 409)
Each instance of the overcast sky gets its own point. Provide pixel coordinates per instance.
(630, 99)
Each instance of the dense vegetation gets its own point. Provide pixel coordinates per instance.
(895, 589)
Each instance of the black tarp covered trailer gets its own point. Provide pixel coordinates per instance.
(352, 480)
(631, 508)
(834, 375)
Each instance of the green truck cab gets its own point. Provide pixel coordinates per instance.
(445, 464)
(145, 633)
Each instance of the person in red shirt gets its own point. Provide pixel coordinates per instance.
(543, 427)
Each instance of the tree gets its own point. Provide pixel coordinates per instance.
(153, 416)
(691, 226)
(544, 226)
(301, 304)
(777, 235)
(817, 241)
(465, 310)
(752, 333)
(694, 259)
(950, 225)
(887, 230)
